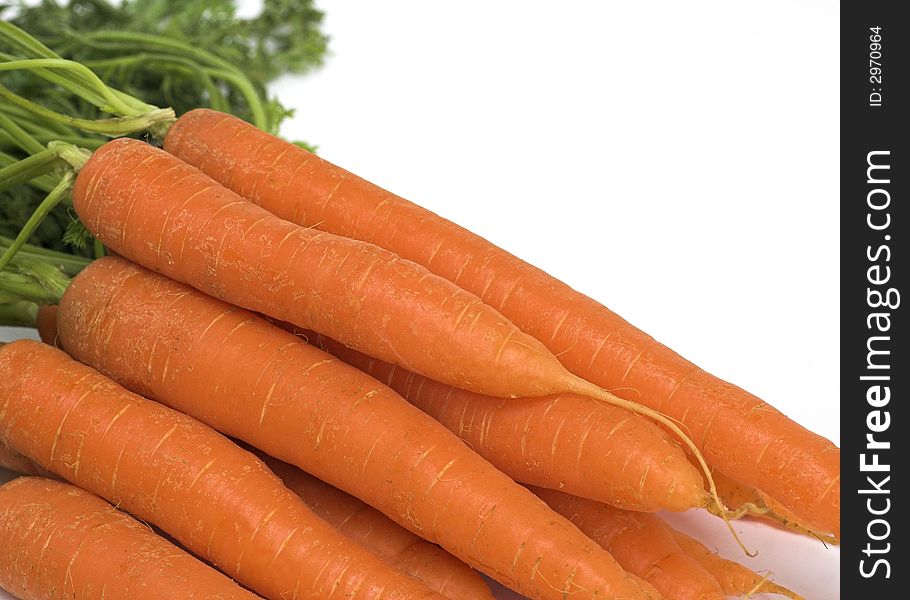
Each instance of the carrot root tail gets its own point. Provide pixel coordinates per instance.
(825, 538)
(766, 586)
(585, 388)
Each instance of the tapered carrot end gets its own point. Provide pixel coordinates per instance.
(715, 505)
(46, 324)
(766, 586)
(783, 521)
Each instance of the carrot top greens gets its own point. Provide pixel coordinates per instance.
(178, 53)
(181, 54)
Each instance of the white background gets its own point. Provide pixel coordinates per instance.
(677, 161)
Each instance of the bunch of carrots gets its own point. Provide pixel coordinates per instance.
(313, 388)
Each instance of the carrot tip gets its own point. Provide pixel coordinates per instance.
(824, 538)
(766, 586)
(586, 388)
(763, 511)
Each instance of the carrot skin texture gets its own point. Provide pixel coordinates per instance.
(737, 432)
(782, 516)
(219, 501)
(62, 542)
(13, 461)
(196, 354)
(734, 578)
(158, 211)
(395, 545)
(754, 504)
(641, 542)
(46, 324)
(566, 442)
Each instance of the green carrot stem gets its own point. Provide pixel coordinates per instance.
(49, 277)
(144, 41)
(156, 121)
(47, 205)
(222, 69)
(41, 283)
(41, 251)
(19, 136)
(28, 120)
(40, 163)
(75, 140)
(248, 90)
(35, 49)
(12, 63)
(68, 263)
(30, 126)
(28, 44)
(87, 85)
(20, 313)
(176, 63)
(73, 156)
(42, 133)
(45, 183)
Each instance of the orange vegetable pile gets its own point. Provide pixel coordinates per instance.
(321, 390)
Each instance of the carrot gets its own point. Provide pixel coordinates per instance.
(394, 544)
(61, 542)
(745, 501)
(13, 461)
(46, 324)
(219, 501)
(253, 381)
(734, 578)
(741, 499)
(641, 542)
(167, 216)
(781, 515)
(738, 433)
(154, 209)
(564, 442)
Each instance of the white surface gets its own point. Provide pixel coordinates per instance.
(678, 162)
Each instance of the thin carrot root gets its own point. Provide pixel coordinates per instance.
(781, 515)
(766, 586)
(769, 587)
(750, 502)
(753, 503)
(748, 509)
(779, 519)
(586, 388)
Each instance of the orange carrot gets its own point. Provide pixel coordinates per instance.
(745, 501)
(739, 434)
(641, 542)
(13, 461)
(253, 381)
(741, 499)
(395, 545)
(156, 210)
(782, 516)
(219, 501)
(734, 578)
(61, 542)
(167, 216)
(46, 324)
(564, 442)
